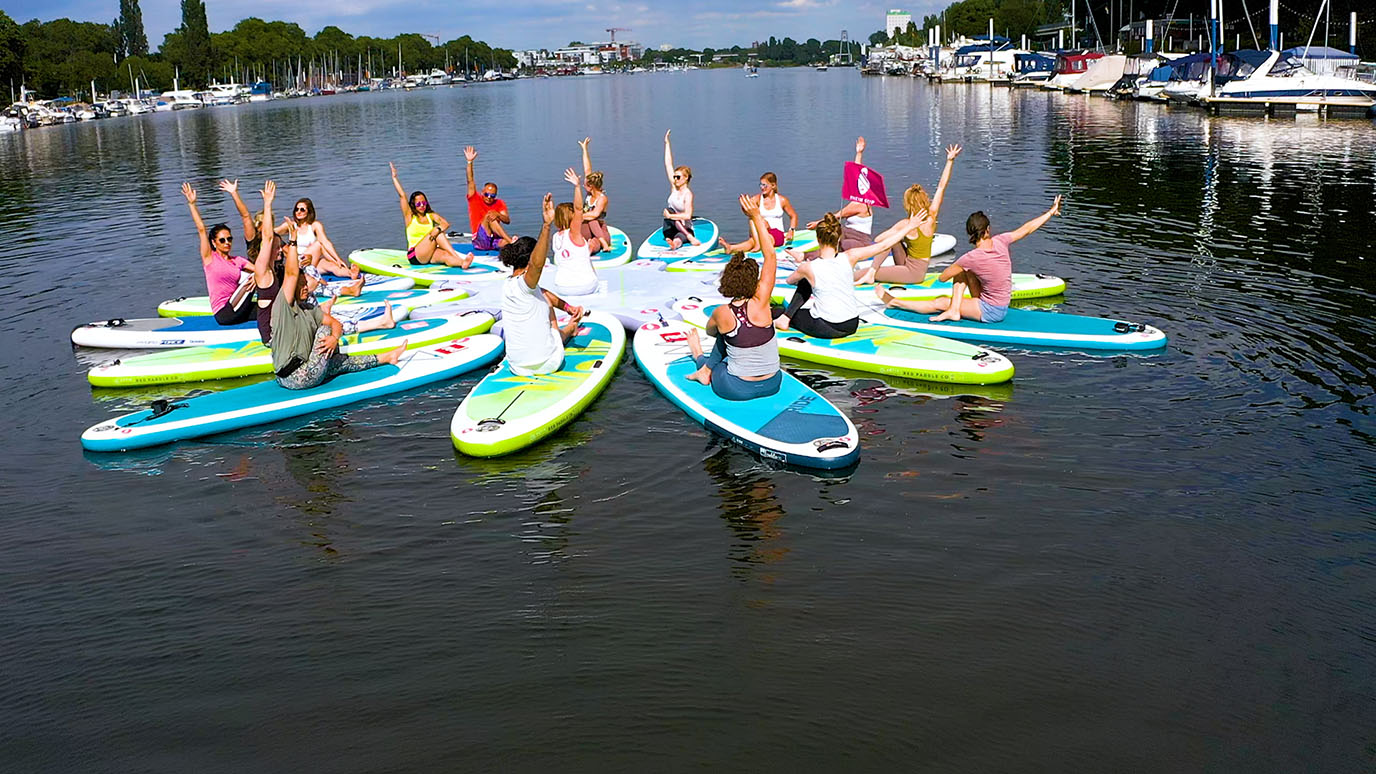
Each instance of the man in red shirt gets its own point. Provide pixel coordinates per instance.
(486, 213)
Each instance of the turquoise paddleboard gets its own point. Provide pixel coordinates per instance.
(265, 402)
(618, 255)
(795, 426)
(1031, 328)
(395, 264)
(507, 412)
(880, 349)
(657, 248)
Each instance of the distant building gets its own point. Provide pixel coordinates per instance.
(665, 47)
(896, 21)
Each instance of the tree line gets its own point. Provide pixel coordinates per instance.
(62, 57)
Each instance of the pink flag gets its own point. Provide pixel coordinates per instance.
(864, 185)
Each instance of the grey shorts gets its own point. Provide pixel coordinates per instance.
(990, 313)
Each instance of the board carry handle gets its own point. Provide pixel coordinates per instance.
(1126, 327)
(830, 443)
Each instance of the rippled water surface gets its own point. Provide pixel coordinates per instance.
(1130, 563)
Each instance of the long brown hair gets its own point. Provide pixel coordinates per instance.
(829, 231)
(310, 211)
(915, 199)
(740, 278)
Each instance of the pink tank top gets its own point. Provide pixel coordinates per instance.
(221, 278)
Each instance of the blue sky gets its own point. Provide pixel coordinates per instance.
(516, 23)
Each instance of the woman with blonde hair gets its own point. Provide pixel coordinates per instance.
(678, 216)
(910, 262)
(571, 250)
(594, 227)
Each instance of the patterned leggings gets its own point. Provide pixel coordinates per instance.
(319, 368)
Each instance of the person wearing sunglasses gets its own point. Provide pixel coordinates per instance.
(225, 280)
(425, 239)
(486, 213)
(315, 250)
(678, 216)
(594, 206)
(773, 207)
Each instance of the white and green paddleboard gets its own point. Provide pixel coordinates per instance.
(226, 361)
(506, 412)
(877, 349)
(655, 247)
(413, 298)
(394, 263)
(716, 259)
(199, 306)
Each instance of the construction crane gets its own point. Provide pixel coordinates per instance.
(435, 38)
(614, 30)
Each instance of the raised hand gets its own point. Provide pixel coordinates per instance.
(393, 167)
(859, 144)
(952, 151)
(547, 209)
(583, 143)
(189, 193)
(470, 153)
(666, 136)
(571, 176)
(269, 191)
(229, 186)
(749, 206)
(1056, 206)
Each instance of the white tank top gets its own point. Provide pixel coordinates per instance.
(861, 223)
(305, 235)
(575, 275)
(530, 339)
(833, 292)
(773, 218)
(678, 200)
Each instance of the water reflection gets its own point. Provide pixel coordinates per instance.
(751, 509)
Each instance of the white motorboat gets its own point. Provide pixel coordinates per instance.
(1266, 80)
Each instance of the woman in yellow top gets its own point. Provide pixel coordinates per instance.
(425, 239)
(914, 251)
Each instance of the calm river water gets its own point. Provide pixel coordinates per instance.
(1159, 563)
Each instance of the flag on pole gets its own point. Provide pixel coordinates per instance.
(864, 185)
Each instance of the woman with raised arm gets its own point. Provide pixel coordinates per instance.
(857, 219)
(827, 280)
(223, 281)
(678, 215)
(594, 206)
(986, 271)
(425, 239)
(254, 232)
(534, 338)
(744, 363)
(910, 262)
(773, 207)
(313, 247)
(572, 256)
(305, 337)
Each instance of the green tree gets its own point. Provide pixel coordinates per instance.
(879, 38)
(193, 52)
(131, 39)
(11, 51)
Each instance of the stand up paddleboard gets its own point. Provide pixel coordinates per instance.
(227, 361)
(199, 306)
(795, 426)
(394, 263)
(506, 412)
(880, 349)
(403, 299)
(265, 402)
(657, 248)
(1030, 328)
(168, 332)
(1025, 287)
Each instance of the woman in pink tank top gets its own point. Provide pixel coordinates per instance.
(986, 271)
(223, 281)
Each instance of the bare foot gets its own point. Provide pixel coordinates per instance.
(594, 246)
(391, 356)
(884, 296)
(781, 322)
(953, 313)
(674, 243)
(570, 328)
(701, 376)
(694, 241)
(387, 319)
(725, 245)
(866, 278)
(466, 261)
(353, 288)
(694, 343)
